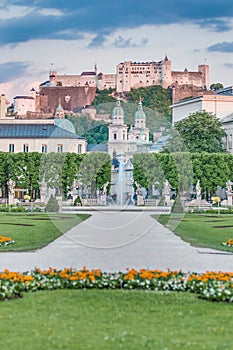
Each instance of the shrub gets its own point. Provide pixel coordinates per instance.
(52, 205)
(177, 206)
(77, 201)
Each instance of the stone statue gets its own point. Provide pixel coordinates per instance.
(43, 188)
(167, 191)
(11, 186)
(229, 193)
(139, 188)
(104, 188)
(11, 191)
(229, 186)
(198, 190)
(167, 187)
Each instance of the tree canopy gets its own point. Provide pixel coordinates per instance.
(200, 132)
(216, 86)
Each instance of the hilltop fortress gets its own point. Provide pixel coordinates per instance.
(73, 92)
(133, 75)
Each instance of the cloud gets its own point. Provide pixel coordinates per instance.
(12, 70)
(46, 19)
(222, 47)
(228, 65)
(97, 41)
(122, 43)
(215, 25)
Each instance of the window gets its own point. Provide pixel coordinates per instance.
(25, 148)
(114, 136)
(11, 147)
(44, 148)
(79, 148)
(60, 148)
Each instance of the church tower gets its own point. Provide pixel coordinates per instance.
(117, 136)
(139, 132)
(59, 112)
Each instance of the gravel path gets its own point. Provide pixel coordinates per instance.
(116, 240)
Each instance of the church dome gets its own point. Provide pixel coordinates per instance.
(118, 110)
(65, 124)
(140, 113)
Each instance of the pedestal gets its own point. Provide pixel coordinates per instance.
(229, 200)
(167, 200)
(140, 200)
(59, 200)
(10, 199)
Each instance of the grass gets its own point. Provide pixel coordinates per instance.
(114, 319)
(202, 230)
(33, 231)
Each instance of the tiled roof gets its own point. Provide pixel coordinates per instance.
(99, 147)
(35, 131)
(88, 73)
(24, 97)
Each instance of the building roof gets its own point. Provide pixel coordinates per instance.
(24, 97)
(139, 113)
(35, 131)
(227, 91)
(117, 110)
(97, 147)
(228, 119)
(88, 73)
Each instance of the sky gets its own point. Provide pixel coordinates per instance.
(71, 36)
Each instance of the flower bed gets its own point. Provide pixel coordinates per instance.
(229, 243)
(210, 285)
(5, 241)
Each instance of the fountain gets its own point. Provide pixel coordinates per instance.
(122, 181)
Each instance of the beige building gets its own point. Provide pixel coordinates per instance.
(44, 136)
(3, 106)
(133, 75)
(218, 104)
(91, 79)
(24, 104)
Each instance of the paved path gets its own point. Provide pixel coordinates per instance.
(113, 241)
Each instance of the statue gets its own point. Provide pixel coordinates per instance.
(229, 186)
(104, 188)
(43, 188)
(167, 191)
(11, 191)
(198, 190)
(139, 188)
(229, 193)
(167, 187)
(11, 186)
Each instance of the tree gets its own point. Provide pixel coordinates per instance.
(200, 132)
(95, 171)
(216, 86)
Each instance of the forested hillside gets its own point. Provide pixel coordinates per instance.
(156, 105)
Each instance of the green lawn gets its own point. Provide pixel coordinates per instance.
(32, 231)
(201, 230)
(114, 319)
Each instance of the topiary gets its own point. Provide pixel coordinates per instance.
(177, 206)
(52, 205)
(77, 201)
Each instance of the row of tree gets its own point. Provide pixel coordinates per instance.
(93, 170)
(183, 170)
(57, 170)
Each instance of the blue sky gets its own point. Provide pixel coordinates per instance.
(73, 35)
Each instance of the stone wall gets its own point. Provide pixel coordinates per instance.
(71, 98)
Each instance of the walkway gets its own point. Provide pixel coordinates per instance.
(116, 240)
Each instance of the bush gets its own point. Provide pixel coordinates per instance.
(52, 205)
(20, 209)
(77, 201)
(177, 206)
